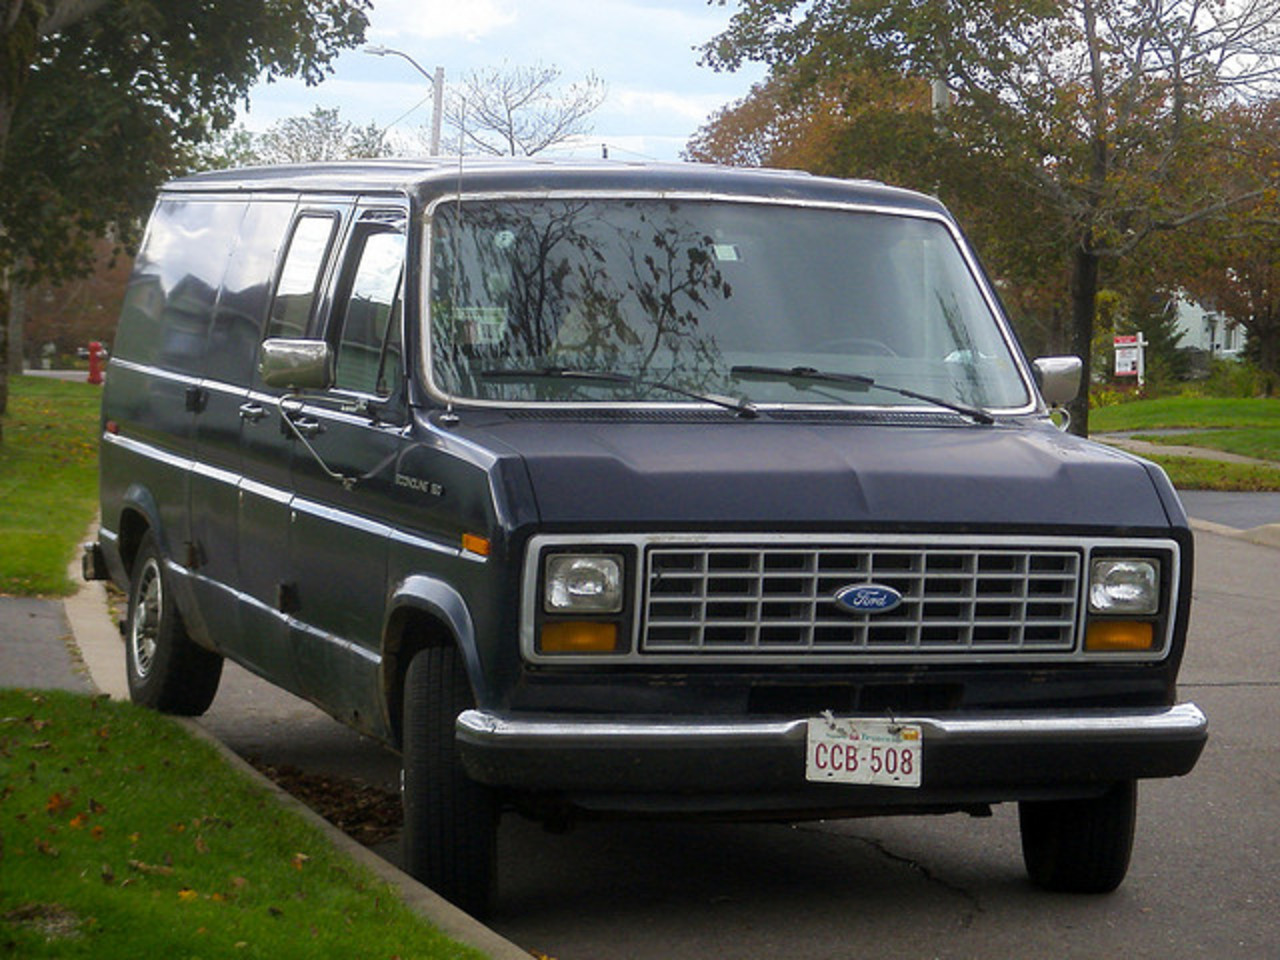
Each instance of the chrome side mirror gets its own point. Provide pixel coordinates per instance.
(1058, 378)
(296, 364)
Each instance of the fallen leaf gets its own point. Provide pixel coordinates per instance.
(57, 803)
(150, 869)
(298, 860)
(186, 895)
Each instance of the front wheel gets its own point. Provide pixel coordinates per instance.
(167, 670)
(450, 821)
(1080, 846)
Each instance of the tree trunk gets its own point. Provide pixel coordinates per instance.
(1084, 294)
(17, 317)
(6, 121)
(4, 348)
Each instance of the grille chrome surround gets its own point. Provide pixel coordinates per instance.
(710, 600)
(997, 623)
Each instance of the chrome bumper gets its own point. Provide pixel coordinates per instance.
(1002, 755)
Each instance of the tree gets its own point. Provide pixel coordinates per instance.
(100, 102)
(1235, 264)
(520, 111)
(1097, 111)
(318, 136)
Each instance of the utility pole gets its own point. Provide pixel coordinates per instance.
(437, 89)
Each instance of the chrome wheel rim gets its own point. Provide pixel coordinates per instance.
(145, 626)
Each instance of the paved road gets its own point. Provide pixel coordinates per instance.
(1241, 511)
(1205, 880)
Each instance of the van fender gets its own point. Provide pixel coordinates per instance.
(138, 500)
(423, 596)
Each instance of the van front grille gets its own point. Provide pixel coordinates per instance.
(776, 600)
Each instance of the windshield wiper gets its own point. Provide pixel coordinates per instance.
(743, 407)
(857, 380)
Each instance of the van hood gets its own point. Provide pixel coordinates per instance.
(768, 474)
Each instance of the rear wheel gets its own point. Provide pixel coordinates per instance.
(1080, 846)
(450, 821)
(167, 670)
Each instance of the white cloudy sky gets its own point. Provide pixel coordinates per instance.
(646, 52)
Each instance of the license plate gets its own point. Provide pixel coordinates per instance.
(875, 752)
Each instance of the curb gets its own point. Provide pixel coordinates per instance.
(1267, 535)
(102, 651)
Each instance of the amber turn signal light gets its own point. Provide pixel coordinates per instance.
(1110, 636)
(578, 636)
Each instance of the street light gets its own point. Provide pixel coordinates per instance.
(437, 89)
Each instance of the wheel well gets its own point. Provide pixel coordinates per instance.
(410, 631)
(133, 525)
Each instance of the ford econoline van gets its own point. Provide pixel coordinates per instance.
(615, 489)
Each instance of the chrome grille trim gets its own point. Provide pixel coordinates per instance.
(1042, 648)
(722, 599)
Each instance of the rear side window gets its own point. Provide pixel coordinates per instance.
(246, 289)
(299, 284)
(169, 305)
(368, 317)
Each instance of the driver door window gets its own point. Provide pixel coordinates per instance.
(367, 320)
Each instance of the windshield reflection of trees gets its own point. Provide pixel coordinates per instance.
(622, 287)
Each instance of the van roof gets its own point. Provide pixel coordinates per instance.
(432, 177)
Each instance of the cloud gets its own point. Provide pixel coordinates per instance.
(679, 107)
(471, 20)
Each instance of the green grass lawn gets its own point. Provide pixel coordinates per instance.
(1250, 427)
(1191, 473)
(48, 482)
(124, 836)
(1192, 413)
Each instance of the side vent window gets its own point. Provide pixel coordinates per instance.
(299, 283)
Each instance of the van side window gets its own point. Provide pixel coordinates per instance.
(368, 318)
(300, 276)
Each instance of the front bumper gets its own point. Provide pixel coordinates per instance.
(700, 763)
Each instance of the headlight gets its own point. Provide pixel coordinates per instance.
(577, 583)
(1124, 587)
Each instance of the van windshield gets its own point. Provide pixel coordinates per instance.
(690, 294)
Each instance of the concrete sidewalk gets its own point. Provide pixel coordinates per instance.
(37, 649)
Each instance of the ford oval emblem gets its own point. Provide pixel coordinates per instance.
(868, 598)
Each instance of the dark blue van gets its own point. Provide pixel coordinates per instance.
(616, 489)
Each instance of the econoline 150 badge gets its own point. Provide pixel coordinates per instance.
(868, 598)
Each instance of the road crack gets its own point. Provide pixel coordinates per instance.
(975, 907)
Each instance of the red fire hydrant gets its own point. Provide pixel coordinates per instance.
(95, 362)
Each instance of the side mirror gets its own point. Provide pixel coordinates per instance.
(296, 364)
(1058, 378)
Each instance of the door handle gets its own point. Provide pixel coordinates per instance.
(252, 412)
(308, 427)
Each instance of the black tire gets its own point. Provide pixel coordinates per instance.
(450, 821)
(167, 670)
(1080, 846)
